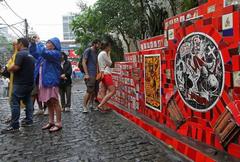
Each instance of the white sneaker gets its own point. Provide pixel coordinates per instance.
(40, 112)
(67, 109)
(46, 112)
(85, 110)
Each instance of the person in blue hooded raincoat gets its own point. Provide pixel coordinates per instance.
(47, 77)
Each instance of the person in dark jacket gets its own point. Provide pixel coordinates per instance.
(47, 77)
(65, 82)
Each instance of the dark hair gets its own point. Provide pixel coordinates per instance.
(96, 41)
(24, 42)
(105, 44)
(64, 55)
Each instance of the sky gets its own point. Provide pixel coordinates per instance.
(44, 16)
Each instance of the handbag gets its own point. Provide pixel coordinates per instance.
(100, 76)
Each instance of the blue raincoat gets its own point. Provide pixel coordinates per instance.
(50, 61)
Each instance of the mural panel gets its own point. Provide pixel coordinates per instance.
(199, 71)
(231, 2)
(152, 81)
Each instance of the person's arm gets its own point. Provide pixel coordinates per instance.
(35, 49)
(51, 55)
(84, 63)
(14, 68)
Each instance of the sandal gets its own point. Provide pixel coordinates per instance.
(101, 109)
(48, 126)
(55, 128)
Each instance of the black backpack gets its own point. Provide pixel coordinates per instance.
(80, 65)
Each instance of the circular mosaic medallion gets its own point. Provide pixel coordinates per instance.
(199, 71)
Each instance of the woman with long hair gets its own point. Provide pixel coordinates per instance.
(105, 62)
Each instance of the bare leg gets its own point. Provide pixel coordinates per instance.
(103, 90)
(86, 99)
(50, 106)
(57, 109)
(111, 92)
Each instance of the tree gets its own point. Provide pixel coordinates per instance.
(86, 27)
(89, 25)
(82, 5)
(120, 17)
(5, 50)
(154, 12)
(188, 4)
(132, 19)
(173, 5)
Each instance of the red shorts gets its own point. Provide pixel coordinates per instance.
(107, 80)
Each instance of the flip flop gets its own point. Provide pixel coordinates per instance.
(48, 126)
(103, 110)
(55, 128)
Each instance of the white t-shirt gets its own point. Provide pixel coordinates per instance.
(104, 62)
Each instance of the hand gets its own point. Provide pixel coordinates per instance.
(86, 77)
(35, 39)
(109, 52)
(63, 76)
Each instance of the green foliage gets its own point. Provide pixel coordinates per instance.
(89, 25)
(132, 19)
(153, 13)
(188, 4)
(5, 50)
(117, 50)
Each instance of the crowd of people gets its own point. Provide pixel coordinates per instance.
(42, 72)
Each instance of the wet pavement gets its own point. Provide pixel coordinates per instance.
(92, 137)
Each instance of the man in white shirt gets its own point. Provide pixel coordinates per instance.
(5, 87)
(1, 86)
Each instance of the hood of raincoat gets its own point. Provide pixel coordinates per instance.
(56, 43)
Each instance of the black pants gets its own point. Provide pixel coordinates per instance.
(65, 93)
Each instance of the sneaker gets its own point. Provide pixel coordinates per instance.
(26, 123)
(46, 112)
(85, 110)
(9, 130)
(40, 112)
(8, 120)
(67, 109)
(93, 106)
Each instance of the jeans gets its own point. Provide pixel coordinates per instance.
(21, 93)
(5, 91)
(65, 91)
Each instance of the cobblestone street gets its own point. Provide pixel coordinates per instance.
(88, 137)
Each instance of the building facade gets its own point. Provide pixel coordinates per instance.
(67, 31)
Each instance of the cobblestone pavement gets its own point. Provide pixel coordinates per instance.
(92, 137)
